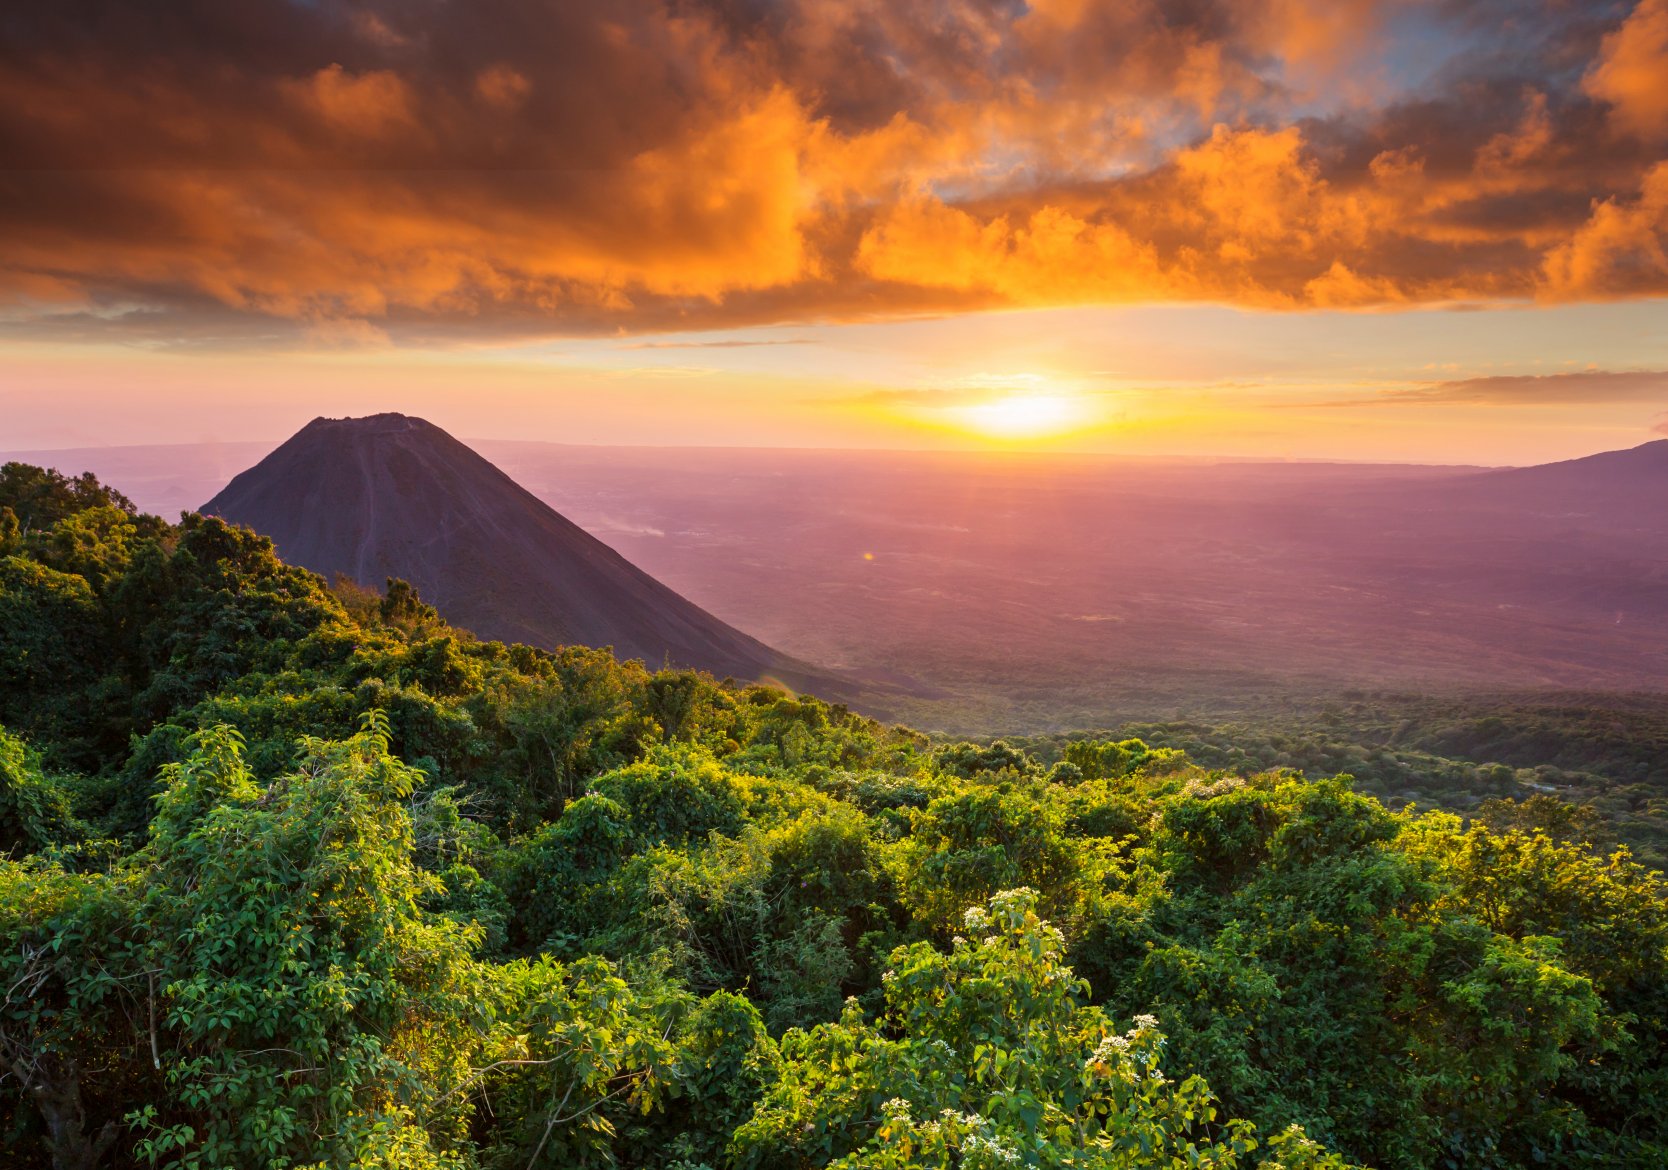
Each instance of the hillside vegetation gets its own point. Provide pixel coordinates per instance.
(1592, 766)
(297, 875)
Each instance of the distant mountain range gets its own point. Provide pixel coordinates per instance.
(393, 496)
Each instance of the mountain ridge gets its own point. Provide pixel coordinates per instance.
(1626, 487)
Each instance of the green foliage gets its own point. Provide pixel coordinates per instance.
(987, 1056)
(968, 761)
(675, 796)
(726, 1061)
(402, 609)
(965, 847)
(40, 498)
(581, 1052)
(311, 1008)
(35, 812)
(1605, 752)
(51, 642)
(74, 983)
(1305, 957)
(1109, 759)
(296, 875)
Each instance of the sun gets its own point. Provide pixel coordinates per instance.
(1022, 416)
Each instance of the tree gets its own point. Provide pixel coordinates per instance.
(966, 846)
(34, 811)
(40, 497)
(312, 1011)
(73, 986)
(986, 1056)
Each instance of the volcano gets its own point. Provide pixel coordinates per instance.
(393, 496)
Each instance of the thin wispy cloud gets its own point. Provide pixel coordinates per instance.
(725, 343)
(1569, 388)
(1573, 388)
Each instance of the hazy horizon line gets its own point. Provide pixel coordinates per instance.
(1023, 452)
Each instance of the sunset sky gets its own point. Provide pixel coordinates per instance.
(1431, 231)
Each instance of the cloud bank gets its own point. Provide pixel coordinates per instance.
(429, 169)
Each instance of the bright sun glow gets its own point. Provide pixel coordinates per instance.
(1022, 416)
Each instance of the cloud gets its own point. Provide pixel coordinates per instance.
(725, 343)
(512, 168)
(1571, 388)
(1621, 249)
(502, 86)
(932, 399)
(367, 104)
(1630, 70)
(1575, 388)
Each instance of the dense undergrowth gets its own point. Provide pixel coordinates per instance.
(298, 875)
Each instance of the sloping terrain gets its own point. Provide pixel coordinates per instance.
(1614, 489)
(394, 496)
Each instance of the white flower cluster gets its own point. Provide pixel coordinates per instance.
(976, 918)
(1112, 1048)
(997, 1150)
(1108, 1051)
(897, 1109)
(1007, 900)
(1202, 790)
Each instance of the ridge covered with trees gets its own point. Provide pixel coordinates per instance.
(295, 874)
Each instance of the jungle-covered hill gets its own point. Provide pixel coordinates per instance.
(297, 875)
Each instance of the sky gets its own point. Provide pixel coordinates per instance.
(1409, 230)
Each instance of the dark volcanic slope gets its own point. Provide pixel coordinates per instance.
(392, 496)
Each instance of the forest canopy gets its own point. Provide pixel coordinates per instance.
(292, 873)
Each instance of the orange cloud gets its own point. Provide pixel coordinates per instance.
(1254, 191)
(502, 86)
(563, 168)
(1631, 72)
(377, 102)
(1052, 256)
(1621, 249)
(1322, 36)
(1340, 288)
